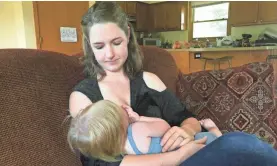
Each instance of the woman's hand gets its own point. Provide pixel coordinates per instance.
(133, 116)
(190, 149)
(175, 137)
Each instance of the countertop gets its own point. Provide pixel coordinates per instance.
(214, 49)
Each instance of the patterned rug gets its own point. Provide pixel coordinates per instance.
(236, 99)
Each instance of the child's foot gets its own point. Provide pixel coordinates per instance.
(210, 126)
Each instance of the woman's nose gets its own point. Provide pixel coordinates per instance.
(110, 52)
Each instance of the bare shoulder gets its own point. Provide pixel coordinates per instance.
(153, 81)
(77, 101)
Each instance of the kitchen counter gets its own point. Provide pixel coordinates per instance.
(216, 49)
(188, 63)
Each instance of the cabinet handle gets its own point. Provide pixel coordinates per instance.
(261, 20)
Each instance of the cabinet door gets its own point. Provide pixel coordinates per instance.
(243, 13)
(159, 16)
(142, 16)
(123, 5)
(173, 16)
(267, 12)
(131, 8)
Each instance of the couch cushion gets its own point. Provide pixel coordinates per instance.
(161, 63)
(35, 87)
(237, 99)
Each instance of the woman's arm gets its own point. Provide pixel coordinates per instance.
(172, 158)
(174, 112)
(162, 159)
(77, 102)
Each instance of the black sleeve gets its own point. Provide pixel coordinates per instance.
(173, 110)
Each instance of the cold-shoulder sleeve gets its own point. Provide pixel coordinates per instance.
(89, 88)
(172, 109)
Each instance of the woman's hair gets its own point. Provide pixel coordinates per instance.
(104, 12)
(99, 131)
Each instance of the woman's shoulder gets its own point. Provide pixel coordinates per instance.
(89, 88)
(87, 83)
(152, 81)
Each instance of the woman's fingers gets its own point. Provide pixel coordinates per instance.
(176, 144)
(167, 135)
(170, 141)
(185, 141)
(202, 140)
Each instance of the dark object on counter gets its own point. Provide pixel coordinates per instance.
(237, 43)
(167, 45)
(266, 42)
(245, 41)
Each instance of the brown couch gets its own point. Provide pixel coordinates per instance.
(35, 86)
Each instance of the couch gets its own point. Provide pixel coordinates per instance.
(36, 84)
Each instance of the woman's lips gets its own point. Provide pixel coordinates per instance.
(112, 62)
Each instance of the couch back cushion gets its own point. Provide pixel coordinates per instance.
(237, 99)
(161, 63)
(35, 87)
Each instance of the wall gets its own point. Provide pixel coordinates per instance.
(29, 24)
(8, 30)
(17, 25)
(255, 30)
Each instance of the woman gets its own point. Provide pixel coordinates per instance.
(114, 65)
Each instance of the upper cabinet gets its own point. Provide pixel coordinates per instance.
(142, 17)
(163, 16)
(252, 13)
(129, 7)
(267, 12)
(167, 16)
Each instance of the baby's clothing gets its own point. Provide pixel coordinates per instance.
(155, 146)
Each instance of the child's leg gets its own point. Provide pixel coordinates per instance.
(210, 126)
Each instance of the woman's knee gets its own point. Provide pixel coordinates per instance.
(241, 141)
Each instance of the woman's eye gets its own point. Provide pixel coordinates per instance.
(98, 47)
(117, 43)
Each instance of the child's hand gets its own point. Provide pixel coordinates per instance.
(133, 116)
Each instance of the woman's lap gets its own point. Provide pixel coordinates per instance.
(234, 149)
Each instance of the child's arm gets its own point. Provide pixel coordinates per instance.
(156, 128)
(153, 127)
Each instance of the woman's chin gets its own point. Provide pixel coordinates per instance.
(113, 69)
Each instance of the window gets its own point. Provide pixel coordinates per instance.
(210, 20)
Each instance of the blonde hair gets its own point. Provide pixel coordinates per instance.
(99, 131)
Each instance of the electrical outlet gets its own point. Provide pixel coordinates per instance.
(197, 55)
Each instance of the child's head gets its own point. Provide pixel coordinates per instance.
(100, 131)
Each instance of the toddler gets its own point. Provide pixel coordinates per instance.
(107, 131)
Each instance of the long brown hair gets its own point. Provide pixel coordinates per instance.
(102, 12)
(99, 131)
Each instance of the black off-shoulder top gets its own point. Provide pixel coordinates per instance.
(144, 100)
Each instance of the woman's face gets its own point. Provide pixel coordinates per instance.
(109, 44)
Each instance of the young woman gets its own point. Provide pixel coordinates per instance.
(114, 65)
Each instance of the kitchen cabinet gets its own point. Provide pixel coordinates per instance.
(268, 12)
(173, 16)
(243, 13)
(252, 13)
(159, 16)
(167, 16)
(129, 7)
(143, 16)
